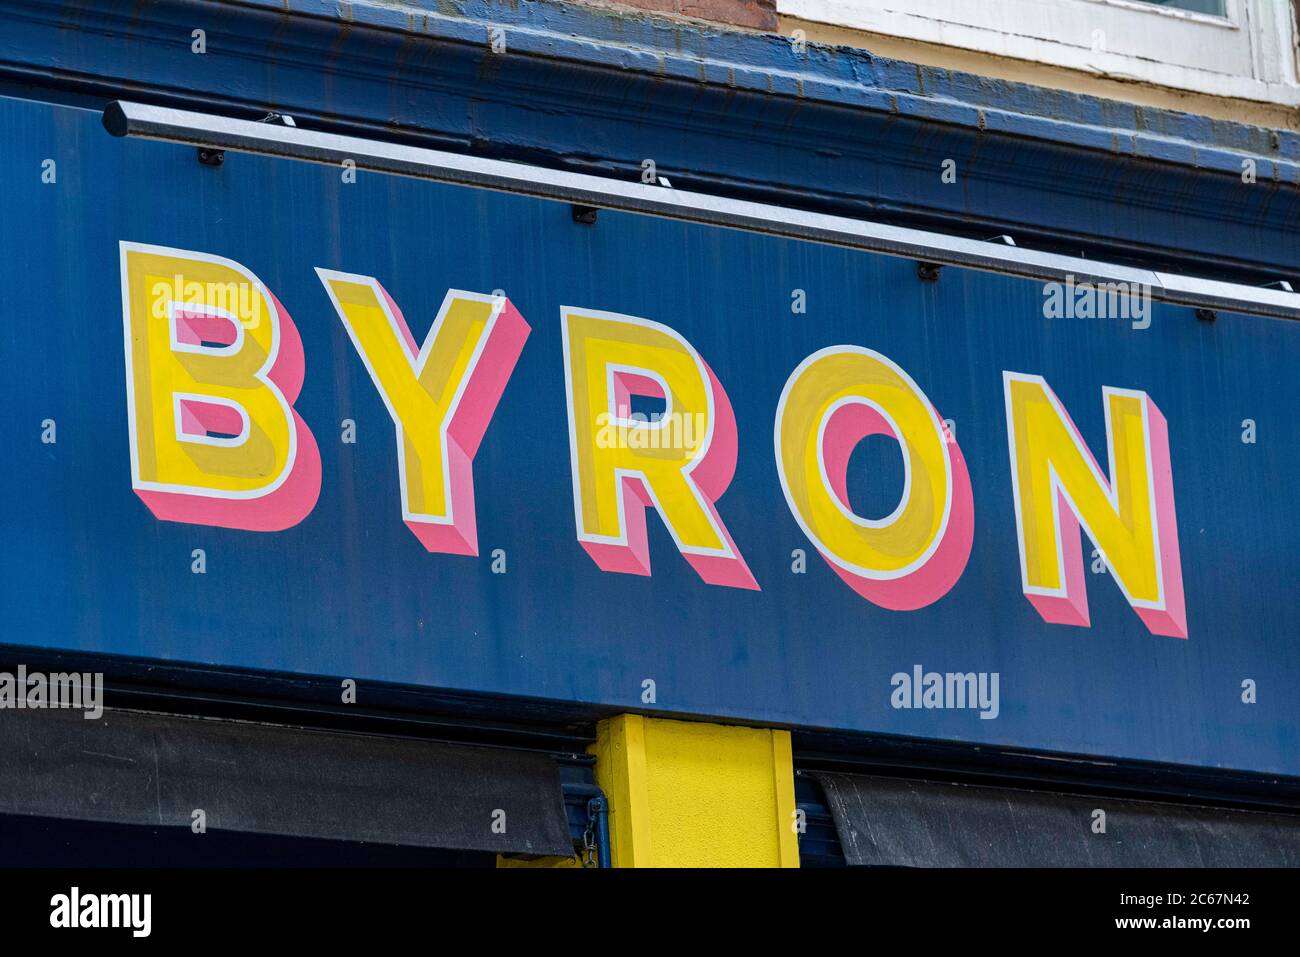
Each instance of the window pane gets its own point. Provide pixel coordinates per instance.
(1216, 7)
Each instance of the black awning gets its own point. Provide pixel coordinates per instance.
(905, 823)
(137, 768)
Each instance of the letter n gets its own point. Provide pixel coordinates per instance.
(1129, 516)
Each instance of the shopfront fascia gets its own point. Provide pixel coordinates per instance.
(772, 214)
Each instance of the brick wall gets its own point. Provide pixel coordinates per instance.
(751, 14)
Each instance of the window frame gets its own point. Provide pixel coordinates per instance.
(1250, 53)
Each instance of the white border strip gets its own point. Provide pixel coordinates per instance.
(204, 129)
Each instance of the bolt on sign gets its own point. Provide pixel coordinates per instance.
(460, 440)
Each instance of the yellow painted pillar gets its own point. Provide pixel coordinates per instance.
(691, 794)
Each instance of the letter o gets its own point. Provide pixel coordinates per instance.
(832, 401)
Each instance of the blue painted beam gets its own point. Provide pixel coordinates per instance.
(744, 114)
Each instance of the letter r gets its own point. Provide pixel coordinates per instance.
(663, 464)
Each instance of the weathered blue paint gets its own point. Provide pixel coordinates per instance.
(350, 593)
(585, 88)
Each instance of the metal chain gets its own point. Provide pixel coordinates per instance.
(589, 836)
